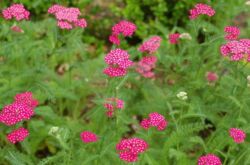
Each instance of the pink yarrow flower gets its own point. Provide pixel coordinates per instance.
(67, 18)
(173, 38)
(27, 99)
(201, 9)
(155, 120)
(18, 135)
(233, 32)
(118, 61)
(129, 149)
(88, 137)
(151, 45)
(125, 28)
(17, 29)
(146, 65)
(211, 77)
(16, 11)
(209, 159)
(111, 104)
(238, 135)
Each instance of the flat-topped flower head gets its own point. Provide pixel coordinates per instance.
(209, 159)
(16, 11)
(211, 77)
(88, 137)
(26, 98)
(15, 113)
(124, 28)
(129, 149)
(155, 120)
(238, 135)
(67, 17)
(118, 61)
(146, 65)
(233, 32)
(111, 104)
(201, 9)
(151, 45)
(174, 38)
(18, 135)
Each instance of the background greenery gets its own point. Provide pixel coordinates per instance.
(64, 71)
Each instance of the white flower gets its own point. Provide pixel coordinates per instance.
(247, 3)
(185, 36)
(182, 95)
(53, 130)
(248, 78)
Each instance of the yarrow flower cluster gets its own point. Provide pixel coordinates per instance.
(21, 109)
(16, 11)
(151, 45)
(118, 61)
(67, 18)
(155, 120)
(173, 38)
(238, 135)
(112, 104)
(146, 65)
(88, 137)
(232, 32)
(18, 135)
(125, 28)
(211, 77)
(209, 159)
(201, 9)
(182, 95)
(129, 149)
(236, 49)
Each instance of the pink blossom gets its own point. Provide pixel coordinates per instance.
(129, 149)
(238, 135)
(151, 45)
(173, 38)
(55, 8)
(209, 159)
(211, 77)
(68, 14)
(146, 65)
(64, 25)
(18, 135)
(118, 61)
(114, 39)
(16, 11)
(17, 29)
(88, 137)
(26, 98)
(111, 104)
(232, 32)
(125, 28)
(200, 9)
(15, 112)
(82, 23)
(155, 120)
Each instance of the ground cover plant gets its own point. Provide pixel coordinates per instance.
(125, 82)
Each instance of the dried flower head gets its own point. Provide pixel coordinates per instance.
(88, 137)
(129, 149)
(201, 9)
(16, 11)
(151, 45)
(18, 135)
(238, 135)
(17, 29)
(209, 159)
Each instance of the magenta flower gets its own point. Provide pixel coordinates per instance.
(238, 135)
(88, 137)
(232, 32)
(151, 45)
(16, 11)
(26, 98)
(155, 120)
(18, 135)
(112, 104)
(209, 159)
(67, 18)
(236, 49)
(201, 9)
(129, 149)
(211, 77)
(173, 38)
(146, 65)
(118, 61)
(125, 28)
